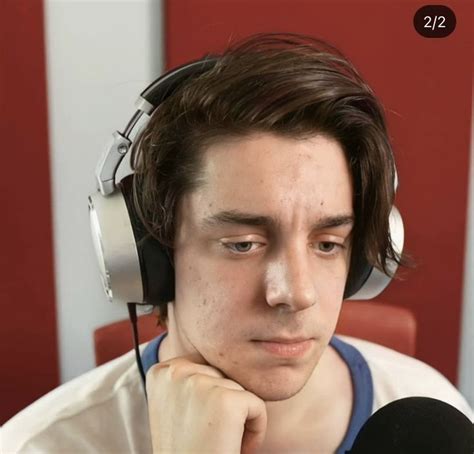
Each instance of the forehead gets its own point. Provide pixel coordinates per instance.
(285, 178)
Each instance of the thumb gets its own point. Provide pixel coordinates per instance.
(255, 425)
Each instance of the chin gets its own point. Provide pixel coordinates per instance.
(272, 392)
(271, 387)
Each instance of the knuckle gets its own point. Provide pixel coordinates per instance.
(223, 398)
(174, 371)
(155, 371)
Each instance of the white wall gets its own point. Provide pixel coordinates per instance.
(100, 55)
(466, 364)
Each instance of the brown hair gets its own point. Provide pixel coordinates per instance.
(292, 85)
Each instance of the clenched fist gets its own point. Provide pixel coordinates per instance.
(192, 407)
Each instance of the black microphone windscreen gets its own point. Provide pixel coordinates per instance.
(416, 425)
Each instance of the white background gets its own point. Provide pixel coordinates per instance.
(100, 56)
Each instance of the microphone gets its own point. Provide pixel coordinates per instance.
(415, 425)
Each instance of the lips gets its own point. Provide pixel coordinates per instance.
(286, 347)
(285, 340)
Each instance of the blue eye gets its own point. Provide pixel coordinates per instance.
(237, 246)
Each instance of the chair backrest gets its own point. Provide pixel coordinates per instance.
(115, 339)
(388, 325)
(385, 324)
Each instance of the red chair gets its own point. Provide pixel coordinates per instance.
(391, 326)
(384, 324)
(115, 339)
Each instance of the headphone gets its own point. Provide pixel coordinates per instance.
(134, 267)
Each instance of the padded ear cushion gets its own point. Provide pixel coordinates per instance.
(158, 278)
(359, 272)
(366, 282)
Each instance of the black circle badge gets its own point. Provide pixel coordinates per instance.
(434, 21)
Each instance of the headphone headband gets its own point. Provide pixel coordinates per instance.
(147, 102)
(165, 85)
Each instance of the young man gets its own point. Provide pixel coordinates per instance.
(267, 178)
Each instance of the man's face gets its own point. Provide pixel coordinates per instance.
(261, 256)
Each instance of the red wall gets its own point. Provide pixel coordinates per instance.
(425, 85)
(28, 322)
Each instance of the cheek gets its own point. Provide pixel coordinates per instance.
(331, 297)
(210, 298)
(334, 285)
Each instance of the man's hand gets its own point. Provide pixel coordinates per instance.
(193, 408)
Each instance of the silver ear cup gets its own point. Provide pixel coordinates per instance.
(115, 247)
(378, 281)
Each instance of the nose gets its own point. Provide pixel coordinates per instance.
(290, 281)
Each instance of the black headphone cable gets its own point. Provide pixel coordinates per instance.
(132, 312)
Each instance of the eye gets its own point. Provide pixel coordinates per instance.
(326, 246)
(240, 247)
(243, 246)
(329, 248)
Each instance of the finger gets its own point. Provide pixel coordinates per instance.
(255, 425)
(181, 368)
(206, 382)
(194, 357)
(250, 410)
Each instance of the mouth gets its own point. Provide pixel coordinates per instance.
(286, 347)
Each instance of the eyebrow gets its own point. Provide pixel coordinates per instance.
(235, 217)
